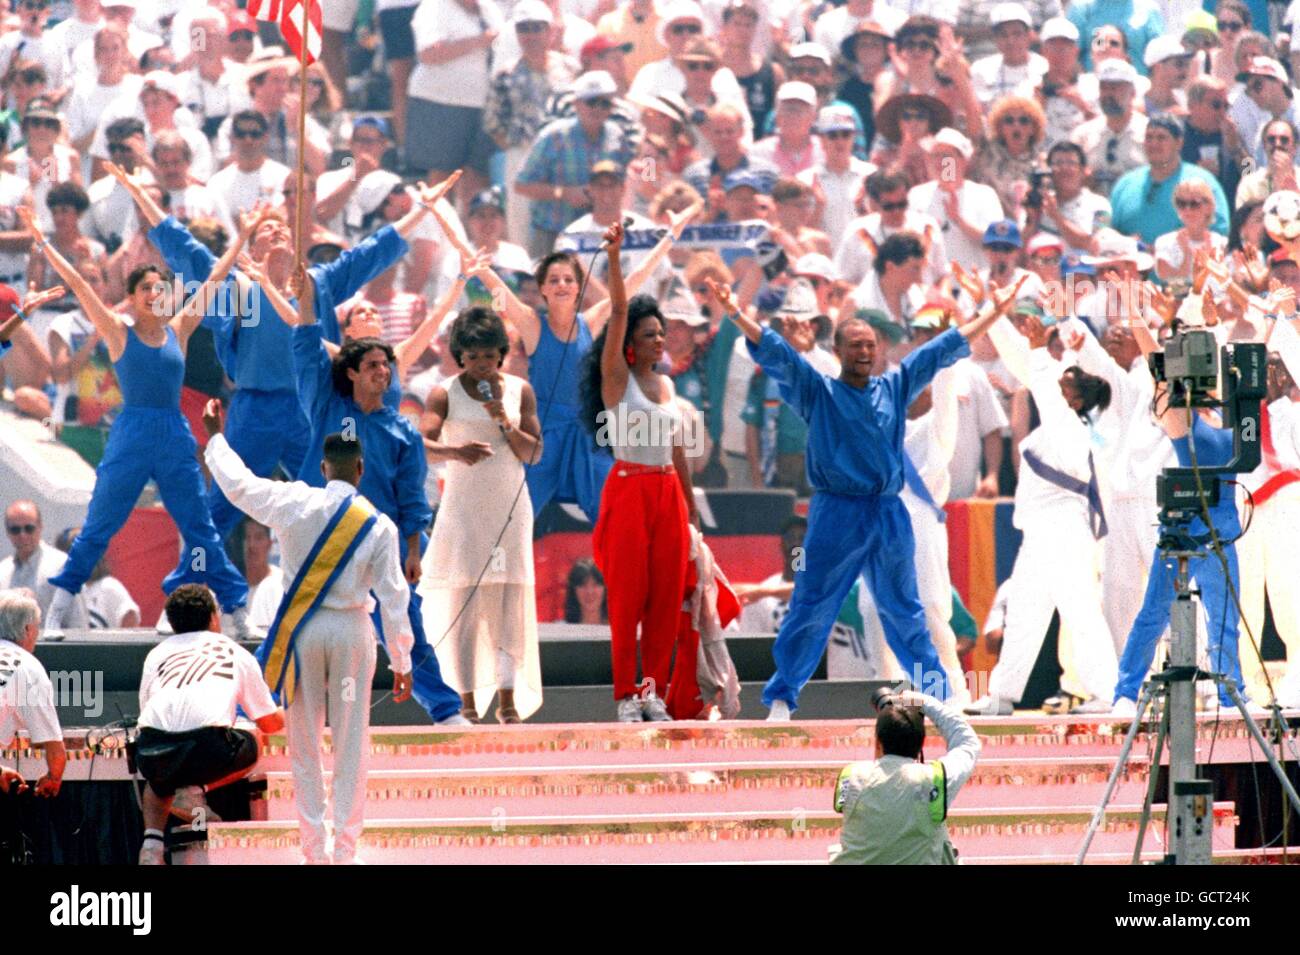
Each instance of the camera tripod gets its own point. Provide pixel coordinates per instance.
(1190, 799)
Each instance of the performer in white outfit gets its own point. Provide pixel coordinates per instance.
(333, 647)
(1134, 451)
(477, 581)
(1059, 511)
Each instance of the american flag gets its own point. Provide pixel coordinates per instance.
(268, 10)
(291, 27)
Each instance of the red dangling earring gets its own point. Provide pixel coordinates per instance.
(630, 355)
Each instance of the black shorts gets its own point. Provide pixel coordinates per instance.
(443, 137)
(395, 28)
(171, 761)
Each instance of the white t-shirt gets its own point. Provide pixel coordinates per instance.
(739, 372)
(43, 49)
(26, 697)
(465, 80)
(1087, 211)
(111, 212)
(979, 205)
(840, 189)
(993, 78)
(194, 680)
(13, 193)
(90, 100)
(264, 601)
(108, 603)
(833, 26)
(978, 413)
(1166, 247)
(200, 202)
(71, 33)
(243, 190)
(201, 165)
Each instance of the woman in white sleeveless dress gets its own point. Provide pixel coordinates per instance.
(477, 581)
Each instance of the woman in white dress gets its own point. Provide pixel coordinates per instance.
(477, 581)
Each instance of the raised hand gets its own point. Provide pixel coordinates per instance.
(1281, 299)
(476, 263)
(1031, 326)
(614, 237)
(34, 299)
(1003, 298)
(1162, 303)
(677, 221)
(970, 283)
(1074, 339)
(723, 295)
(431, 194)
(28, 221)
(1252, 265)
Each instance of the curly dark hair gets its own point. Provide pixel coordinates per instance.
(140, 271)
(478, 327)
(639, 309)
(190, 608)
(1094, 390)
(349, 359)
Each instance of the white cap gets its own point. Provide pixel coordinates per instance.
(1112, 246)
(1059, 28)
(817, 265)
(951, 137)
(1116, 71)
(797, 90)
(374, 188)
(680, 306)
(594, 84)
(162, 80)
(814, 50)
(1164, 47)
(800, 301)
(673, 10)
(532, 11)
(1010, 13)
(1044, 240)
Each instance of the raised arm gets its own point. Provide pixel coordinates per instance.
(413, 347)
(504, 300)
(190, 314)
(597, 315)
(614, 369)
(429, 196)
(289, 313)
(152, 211)
(722, 295)
(110, 327)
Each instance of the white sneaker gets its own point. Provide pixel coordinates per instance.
(630, 710)
(990, 706)
(1124, 708)
(456, 719)
(654, 710)
(151, 853)
(1095, 706)
(779, 712)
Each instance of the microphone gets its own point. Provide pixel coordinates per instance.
(627, 224)
(485, 389)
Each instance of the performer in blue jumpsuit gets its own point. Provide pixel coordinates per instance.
(856, 522)
(150, 438)
(265, 424)
(352, 403)
(1213, 447)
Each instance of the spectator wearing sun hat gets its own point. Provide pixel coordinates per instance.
(1267, 95)
(865, 51)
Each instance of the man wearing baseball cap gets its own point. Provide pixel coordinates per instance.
(1169, 64)
(558, 166)
(1142, 201)
(838, 179)
(793, 148)
(609, 54)
(336, 190)
(1014, 69)
(1268, 95)
(1002, 248)
(1113, 141)
(963, 209)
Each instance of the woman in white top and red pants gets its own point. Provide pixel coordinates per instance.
(642, 538)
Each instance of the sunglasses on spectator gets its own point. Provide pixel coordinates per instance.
(1278, 141)
(894, 206)
(317, 82)
(811, 69)
(600, 103)
(1046, 258)
(1217, 104)
(119, 148)
(16, 529)
(247, 133)
(913, 45)
(1257, 85)
(1189, 203)
(684, 29)
(41, 122)
(31, 77)
(1017, 121)
(914, 115)
(245, 35)
(701, 66)
(535, 26)
(1230, 26)
(34, 4)
(839, 134)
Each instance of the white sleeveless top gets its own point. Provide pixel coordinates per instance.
(640, 431)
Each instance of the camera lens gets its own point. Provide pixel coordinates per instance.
(882, 697)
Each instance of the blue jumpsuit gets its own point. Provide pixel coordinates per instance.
(393, 481)
(151, 439)
(1213, 447)
(571, 468)
(265, 424)
(856, 522)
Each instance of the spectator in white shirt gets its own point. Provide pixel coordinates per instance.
(138, 41)
(274, 94)
(109, 605)
(1014, 70)
(252, 177)
(210, 88)
(837, 181)
(890, 213)
(26, 694)
(31, 42)
(1068, 209)
(187, 200)
(159, 105)
(963, 209)
(33, 562)
(794, 148)
(92, 94)
(86, 21)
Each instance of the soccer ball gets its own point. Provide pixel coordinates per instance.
(1282, 216)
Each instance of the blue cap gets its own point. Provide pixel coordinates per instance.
(374, 122)
(1003, 232)
(744, 177)
(1073, 264)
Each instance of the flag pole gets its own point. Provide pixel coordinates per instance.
(300, 219)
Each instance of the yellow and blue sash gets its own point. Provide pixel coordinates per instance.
(329, 555)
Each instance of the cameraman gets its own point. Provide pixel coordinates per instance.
(894, 807)
(1062, 204)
